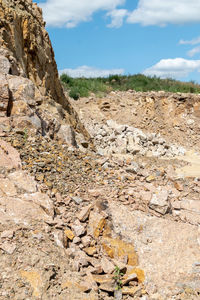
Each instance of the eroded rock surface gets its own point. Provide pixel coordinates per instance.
(32, 97)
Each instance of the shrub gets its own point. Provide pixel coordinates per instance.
(74, 93)
(66, 79)
(82, 87)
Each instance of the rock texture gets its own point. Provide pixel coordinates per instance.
(30, 86)
(118, 223)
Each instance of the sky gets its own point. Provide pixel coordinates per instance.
(94, 38)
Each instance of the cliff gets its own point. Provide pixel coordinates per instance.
(26, 52)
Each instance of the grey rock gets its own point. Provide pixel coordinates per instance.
(4, 65)
(77, 200)
(66, 132)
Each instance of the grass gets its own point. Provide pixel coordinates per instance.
(83, 87)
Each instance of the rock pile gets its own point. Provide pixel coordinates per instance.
(112, 138)
(106, 263)
(173, 117)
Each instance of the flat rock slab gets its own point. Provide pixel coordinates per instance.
(168, 251)
(10, 158)
(24, 209)
(193, 167)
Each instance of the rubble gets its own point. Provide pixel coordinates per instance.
(116, 222)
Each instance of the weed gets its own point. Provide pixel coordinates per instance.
(118, 278)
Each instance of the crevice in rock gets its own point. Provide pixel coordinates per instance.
(10, 104)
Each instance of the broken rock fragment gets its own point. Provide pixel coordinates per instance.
(159, 201)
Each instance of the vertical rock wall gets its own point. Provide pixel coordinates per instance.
(26, 44)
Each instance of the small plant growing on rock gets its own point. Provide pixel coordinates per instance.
(118, 278)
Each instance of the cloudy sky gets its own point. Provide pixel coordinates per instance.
(102, 37)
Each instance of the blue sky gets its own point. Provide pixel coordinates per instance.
(101, 37)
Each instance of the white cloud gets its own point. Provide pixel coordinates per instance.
(193, 51)
(117, 17)
(173, 68)
(190, 42)
(163, 12)
(85, 71)
(70, 13)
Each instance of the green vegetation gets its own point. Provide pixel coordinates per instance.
(83, 87)
(118, 278)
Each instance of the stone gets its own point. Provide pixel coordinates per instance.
(7, 187)
(150, 178)
(81, 258)
(22, 89)
(82, 286)
(118, 249)
(118, 294)
(76, 240)
(7, 234)
(139, 272)
(69, 234)
(4, 65)
(67, 134)
(84, 213)
(90, 251)
(107, 266)
(86, 240)
(23, 209)
(24, 124)
(77, 200)
(23, 181)
(103, 279)
(40, 199)
(127, 278)
(78, 229)
(96, 224)
(4, 95)
(8, 247)
(21, 108)
(108, 287)
(34, 278)
(159, 201)
(131, 291)
(10, 158)
(58, 238)
(189, 211)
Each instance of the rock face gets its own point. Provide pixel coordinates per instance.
(29, 83)
(21, 201)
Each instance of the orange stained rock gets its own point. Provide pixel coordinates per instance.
(139, 272)
(35, 281)
(103, 278)
(74, 285)
(118, 249)
(97, 223)
(90, 250)
(69, 234)
(108, 250)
